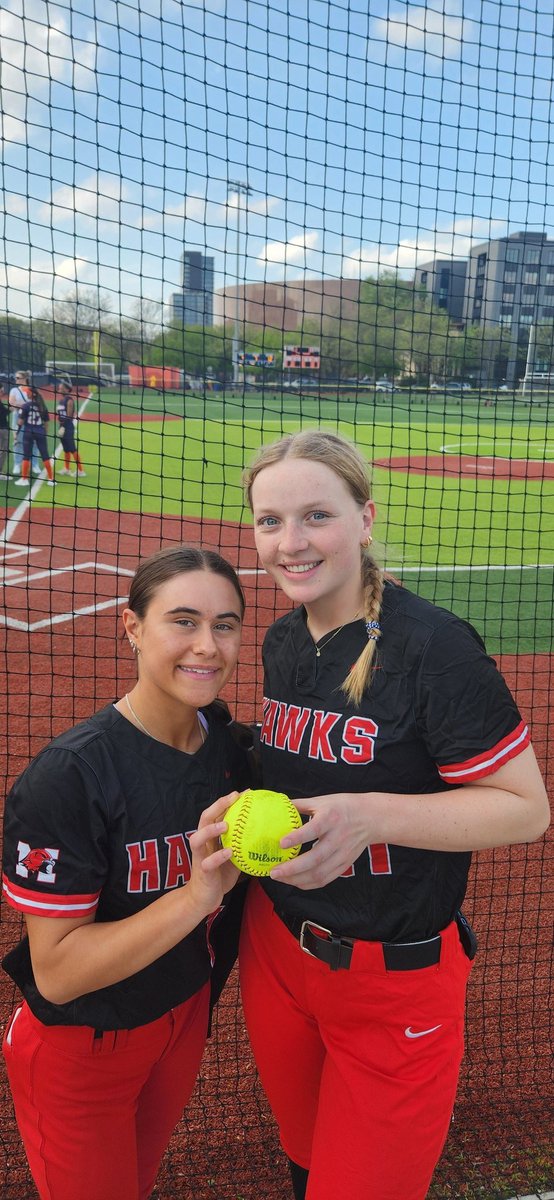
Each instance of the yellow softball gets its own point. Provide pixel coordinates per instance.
(257, 821)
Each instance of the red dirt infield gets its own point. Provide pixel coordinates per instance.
(473, 465)
(65, 575)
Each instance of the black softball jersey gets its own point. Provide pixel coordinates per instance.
(99, 823)
(436, 715)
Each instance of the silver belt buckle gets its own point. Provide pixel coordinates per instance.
(312, 925)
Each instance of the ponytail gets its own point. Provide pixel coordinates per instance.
(361, 674)
(41, 405)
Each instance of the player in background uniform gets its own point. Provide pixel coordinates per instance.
(18, 396)
(33, 417)
(390, 728)
(111, 853)
(66, 418)
(4, 429)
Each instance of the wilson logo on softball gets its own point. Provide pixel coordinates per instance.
(257, 821)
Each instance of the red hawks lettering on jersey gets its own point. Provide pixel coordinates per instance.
(145, 873)
(359, 738)
(291, 723)
(379, 861)
(320, 746)
(178, 860)
(270, 710)
(284, 726)
(144, 866)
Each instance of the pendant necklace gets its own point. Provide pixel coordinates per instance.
(318, 649)
(151, 735)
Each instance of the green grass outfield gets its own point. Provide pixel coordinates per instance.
(482, 546)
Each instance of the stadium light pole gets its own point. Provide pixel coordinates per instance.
(240, 189)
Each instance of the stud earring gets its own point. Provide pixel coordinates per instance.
(367, 543)
(133, 645)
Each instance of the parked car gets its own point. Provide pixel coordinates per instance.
(456, 386)
(384, 385)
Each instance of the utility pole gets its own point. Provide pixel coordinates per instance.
(240, 189)
(530, 362)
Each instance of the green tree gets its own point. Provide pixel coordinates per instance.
(21, 346)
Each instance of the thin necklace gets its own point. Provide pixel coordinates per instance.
(151, 735)
(318, 649)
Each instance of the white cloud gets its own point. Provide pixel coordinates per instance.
(43, 278)
(72, 268)
(97, 198)
(455, 242)
(261, 206)
(36, 53)
(190, 208)
(435, 31)
(365, 260)
(296, 251)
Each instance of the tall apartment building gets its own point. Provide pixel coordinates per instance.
(510, 281)
(194, 305)
(444, 279)
(508, 284)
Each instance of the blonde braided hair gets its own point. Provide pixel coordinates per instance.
(342, 457)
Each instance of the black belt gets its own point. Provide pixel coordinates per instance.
(336, 951)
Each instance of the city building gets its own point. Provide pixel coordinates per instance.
(444, 280)
(194, 305)
(285, 306)
(510, 282)
(508, 285)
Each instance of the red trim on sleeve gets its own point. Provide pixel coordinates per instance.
(37, 904)
(491, 760)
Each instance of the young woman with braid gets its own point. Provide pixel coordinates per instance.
(390, 727)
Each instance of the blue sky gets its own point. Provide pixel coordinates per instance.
(372, 135)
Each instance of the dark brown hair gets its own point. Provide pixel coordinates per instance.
(40, 403)
(156, 570)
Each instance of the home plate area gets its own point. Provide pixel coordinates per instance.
(45, 586)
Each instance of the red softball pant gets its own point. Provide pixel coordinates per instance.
(96, 1114)
(360, 1066)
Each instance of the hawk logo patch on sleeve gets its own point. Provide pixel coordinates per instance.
(40, 862)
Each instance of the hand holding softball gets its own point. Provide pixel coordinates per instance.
(213, 874)
(256, 822)
(341, 826)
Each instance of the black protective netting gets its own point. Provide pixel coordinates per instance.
(226, 219)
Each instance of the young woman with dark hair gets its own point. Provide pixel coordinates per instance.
(112, 855)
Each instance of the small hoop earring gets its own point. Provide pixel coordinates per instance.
(367, 543)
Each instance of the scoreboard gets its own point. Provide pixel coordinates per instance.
(300, 358)
(256, 360)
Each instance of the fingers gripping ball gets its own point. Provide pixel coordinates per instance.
(257, 821)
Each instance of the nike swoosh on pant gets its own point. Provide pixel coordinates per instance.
(409, 1033)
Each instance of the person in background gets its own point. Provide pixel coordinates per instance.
(33, 417)
(19, 394)
(66, 418)
(4, 429)
(112, 855)
(396, 737)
